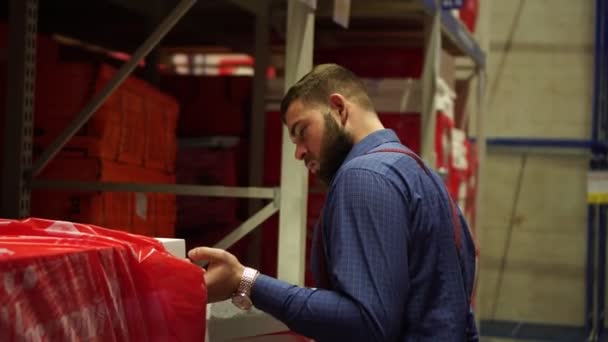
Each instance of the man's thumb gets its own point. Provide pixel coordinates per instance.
(206, 253)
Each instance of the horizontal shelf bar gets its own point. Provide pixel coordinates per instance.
(218, 141)
(177, 189)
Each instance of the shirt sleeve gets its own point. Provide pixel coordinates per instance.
(365, 227)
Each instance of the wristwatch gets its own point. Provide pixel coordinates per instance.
(241, 298)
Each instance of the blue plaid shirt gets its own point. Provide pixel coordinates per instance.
(394, 270)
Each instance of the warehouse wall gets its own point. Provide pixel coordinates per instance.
(534, 211)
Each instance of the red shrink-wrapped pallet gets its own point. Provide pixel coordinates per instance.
(63, 281)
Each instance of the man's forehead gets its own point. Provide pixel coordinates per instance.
(297, 111)
(294, 112)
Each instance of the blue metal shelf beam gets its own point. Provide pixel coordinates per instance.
(549, 143)
(596, 264)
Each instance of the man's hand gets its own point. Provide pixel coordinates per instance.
(223, 274)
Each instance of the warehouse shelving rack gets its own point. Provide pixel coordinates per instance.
(413, 22)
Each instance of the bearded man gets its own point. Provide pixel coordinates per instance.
(392, 256)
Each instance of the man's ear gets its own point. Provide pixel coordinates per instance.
(339, 105)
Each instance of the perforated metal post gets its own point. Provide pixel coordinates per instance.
(18, 129)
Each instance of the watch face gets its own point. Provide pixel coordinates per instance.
(241, 301)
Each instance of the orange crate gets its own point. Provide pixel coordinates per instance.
(106, 209)
(84, 146)
(57, 106)
(116, 209)
(149, 118)
(62, 91)
(154, 213)
(102, 209)
(144, 205)
(136, 123)
(161, 142)
(141, 213)
(130, 100)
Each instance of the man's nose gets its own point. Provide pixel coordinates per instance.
(300, 152)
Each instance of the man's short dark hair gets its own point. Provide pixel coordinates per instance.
(324, 79)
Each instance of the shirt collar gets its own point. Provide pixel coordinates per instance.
(370, 142)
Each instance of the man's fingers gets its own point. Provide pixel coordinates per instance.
(207, 253)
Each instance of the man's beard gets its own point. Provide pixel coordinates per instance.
(335, 146)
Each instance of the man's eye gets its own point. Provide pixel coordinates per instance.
(302, 132)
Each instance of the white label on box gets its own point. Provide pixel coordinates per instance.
(141, 205)
(176, 247)
(459, 150)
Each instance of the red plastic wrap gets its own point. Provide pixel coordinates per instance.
(62, 281)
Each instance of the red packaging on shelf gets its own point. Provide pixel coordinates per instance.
(379, 62)
(468, 14)
(406, 126)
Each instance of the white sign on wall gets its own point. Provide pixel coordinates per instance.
(597, 187)
(342, 12)
(310, 3)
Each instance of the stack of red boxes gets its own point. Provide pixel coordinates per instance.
(130, 138)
